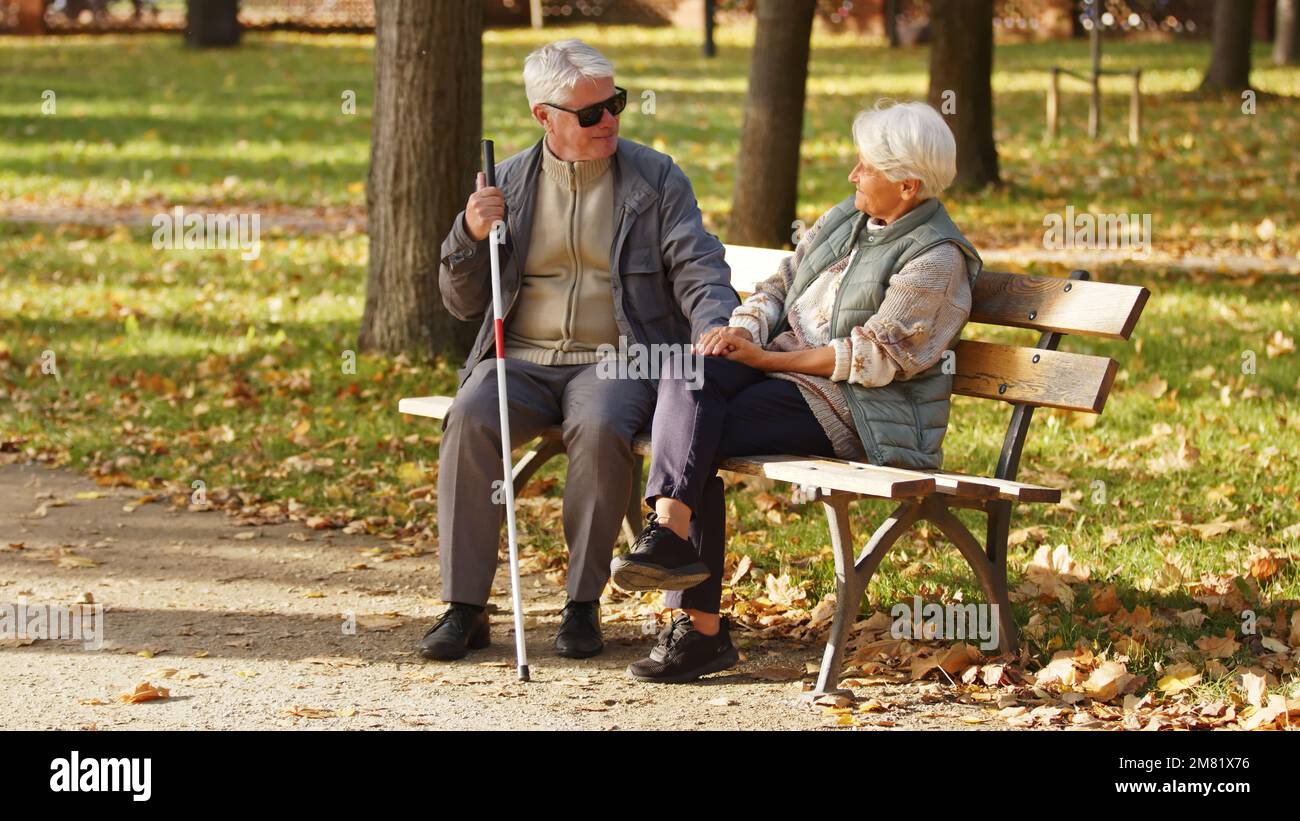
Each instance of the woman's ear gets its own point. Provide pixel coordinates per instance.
(909, 189)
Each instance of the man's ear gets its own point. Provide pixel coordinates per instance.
(540, 114)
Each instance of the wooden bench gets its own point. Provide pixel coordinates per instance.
(1024, 377)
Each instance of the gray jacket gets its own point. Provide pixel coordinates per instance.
(670, 280)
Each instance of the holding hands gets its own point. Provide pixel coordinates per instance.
(721, 340)
(735, 344)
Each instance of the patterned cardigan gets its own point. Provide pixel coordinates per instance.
(925, 306)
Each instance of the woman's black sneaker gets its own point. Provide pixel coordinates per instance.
(459, 629)
(684, 654)
(660, 560)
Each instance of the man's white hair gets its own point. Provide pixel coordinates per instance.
(552, 71)
(908, 141)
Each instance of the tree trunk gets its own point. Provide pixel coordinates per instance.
(212, 23)
(31, 17)
(961, 85)
(1284, 38)
(1077, 11)
(1230, 56)
(767, 169)
(424, 154)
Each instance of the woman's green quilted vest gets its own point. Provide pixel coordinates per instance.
(901, 424)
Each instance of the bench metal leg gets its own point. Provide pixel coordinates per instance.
(548, 448)
(999, 529)
(634, 521)
(531, 461)
(852, 579)
(992, 575)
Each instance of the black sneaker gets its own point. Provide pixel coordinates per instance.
(669, 636)
(579, 635)
(685, 654)
(660, 560)
(458, 630)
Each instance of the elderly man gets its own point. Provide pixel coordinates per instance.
(604, 247)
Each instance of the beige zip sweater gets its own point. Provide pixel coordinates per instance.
(566, 301)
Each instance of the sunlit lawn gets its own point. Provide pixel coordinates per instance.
(181, 366)
(141, 120)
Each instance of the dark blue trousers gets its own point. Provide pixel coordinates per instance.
(736, 411)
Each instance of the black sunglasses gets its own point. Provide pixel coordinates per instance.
(589, 116)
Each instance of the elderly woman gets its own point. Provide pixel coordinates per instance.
(839, 353)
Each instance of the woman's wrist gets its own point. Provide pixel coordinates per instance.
(769, 360)
(843, 359)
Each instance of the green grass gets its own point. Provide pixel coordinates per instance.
(198, 366)
(143, 121)
(178, 366)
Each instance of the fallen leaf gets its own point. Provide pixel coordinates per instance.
(1254, 686)
(776, 673)
(380, 622)
(142, 693)
(742, 569)
(1178, 678)
(1109, 680)
(1218, 647)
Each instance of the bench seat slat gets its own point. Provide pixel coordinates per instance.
(853, 477)
(433, 407)
(1059, 379)
(951, 484)
(838, 474)
(1004, 488)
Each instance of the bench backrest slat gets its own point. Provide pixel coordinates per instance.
(1021, 375)
(1043, 303)
(1067, 306)
(750, 265)
(1033, 376)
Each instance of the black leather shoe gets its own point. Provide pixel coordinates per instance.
(458, 630)
(660, 560)
(579, 635)
(684, 654)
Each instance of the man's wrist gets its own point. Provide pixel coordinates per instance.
(468, 232)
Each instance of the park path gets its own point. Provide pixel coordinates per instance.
(345, 220)
(243, 626)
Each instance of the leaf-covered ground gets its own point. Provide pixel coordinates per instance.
(1176, 591)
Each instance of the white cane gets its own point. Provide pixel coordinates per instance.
(495, 238)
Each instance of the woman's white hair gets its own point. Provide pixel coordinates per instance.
(552, 71)
(907, 141)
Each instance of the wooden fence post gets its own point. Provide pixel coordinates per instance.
(1053, 105)
(1135, 109)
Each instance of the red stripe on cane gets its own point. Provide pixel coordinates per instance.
(501, 340)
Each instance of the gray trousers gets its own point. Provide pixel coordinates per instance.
(599, 417)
